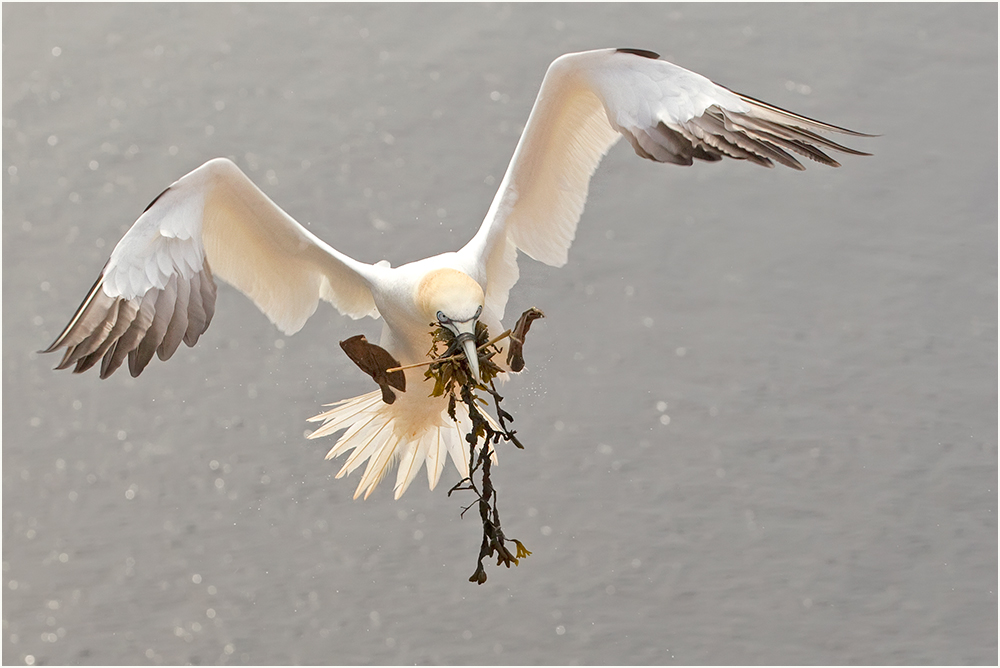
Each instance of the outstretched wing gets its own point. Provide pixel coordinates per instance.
(586, 103)
(157, 289)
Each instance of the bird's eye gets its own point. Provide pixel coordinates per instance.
(442, 318)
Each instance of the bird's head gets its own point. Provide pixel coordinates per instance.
(455, 301)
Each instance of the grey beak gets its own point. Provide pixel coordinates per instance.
(472, 355)
(466, 333)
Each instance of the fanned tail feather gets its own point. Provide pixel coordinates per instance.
(383, 434)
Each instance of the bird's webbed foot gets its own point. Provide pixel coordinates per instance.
(376, 362)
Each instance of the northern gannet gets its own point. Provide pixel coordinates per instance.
(158, 287)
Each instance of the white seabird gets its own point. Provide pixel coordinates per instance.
(158, 288)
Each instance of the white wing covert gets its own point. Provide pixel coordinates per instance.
(587, 102)
(157, 289)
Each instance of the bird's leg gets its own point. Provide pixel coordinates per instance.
(515, 353)
(373, 360)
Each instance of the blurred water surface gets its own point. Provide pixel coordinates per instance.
(760, 417)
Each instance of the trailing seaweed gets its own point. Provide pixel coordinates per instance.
(451, 377)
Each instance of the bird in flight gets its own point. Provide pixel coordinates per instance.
(158, 287)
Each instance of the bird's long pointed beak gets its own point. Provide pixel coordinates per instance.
(466, 332)
(472, 355)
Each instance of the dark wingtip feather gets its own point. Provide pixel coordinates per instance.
(80, 310)
(150, 205)
(826, 126)
(652, 55)
(109, 329)
(137, 363)
(66, 361)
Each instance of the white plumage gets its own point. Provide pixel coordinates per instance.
(157, 288)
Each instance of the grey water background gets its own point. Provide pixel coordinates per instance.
(760, 418)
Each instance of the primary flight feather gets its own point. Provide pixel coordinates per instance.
(158, 287)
